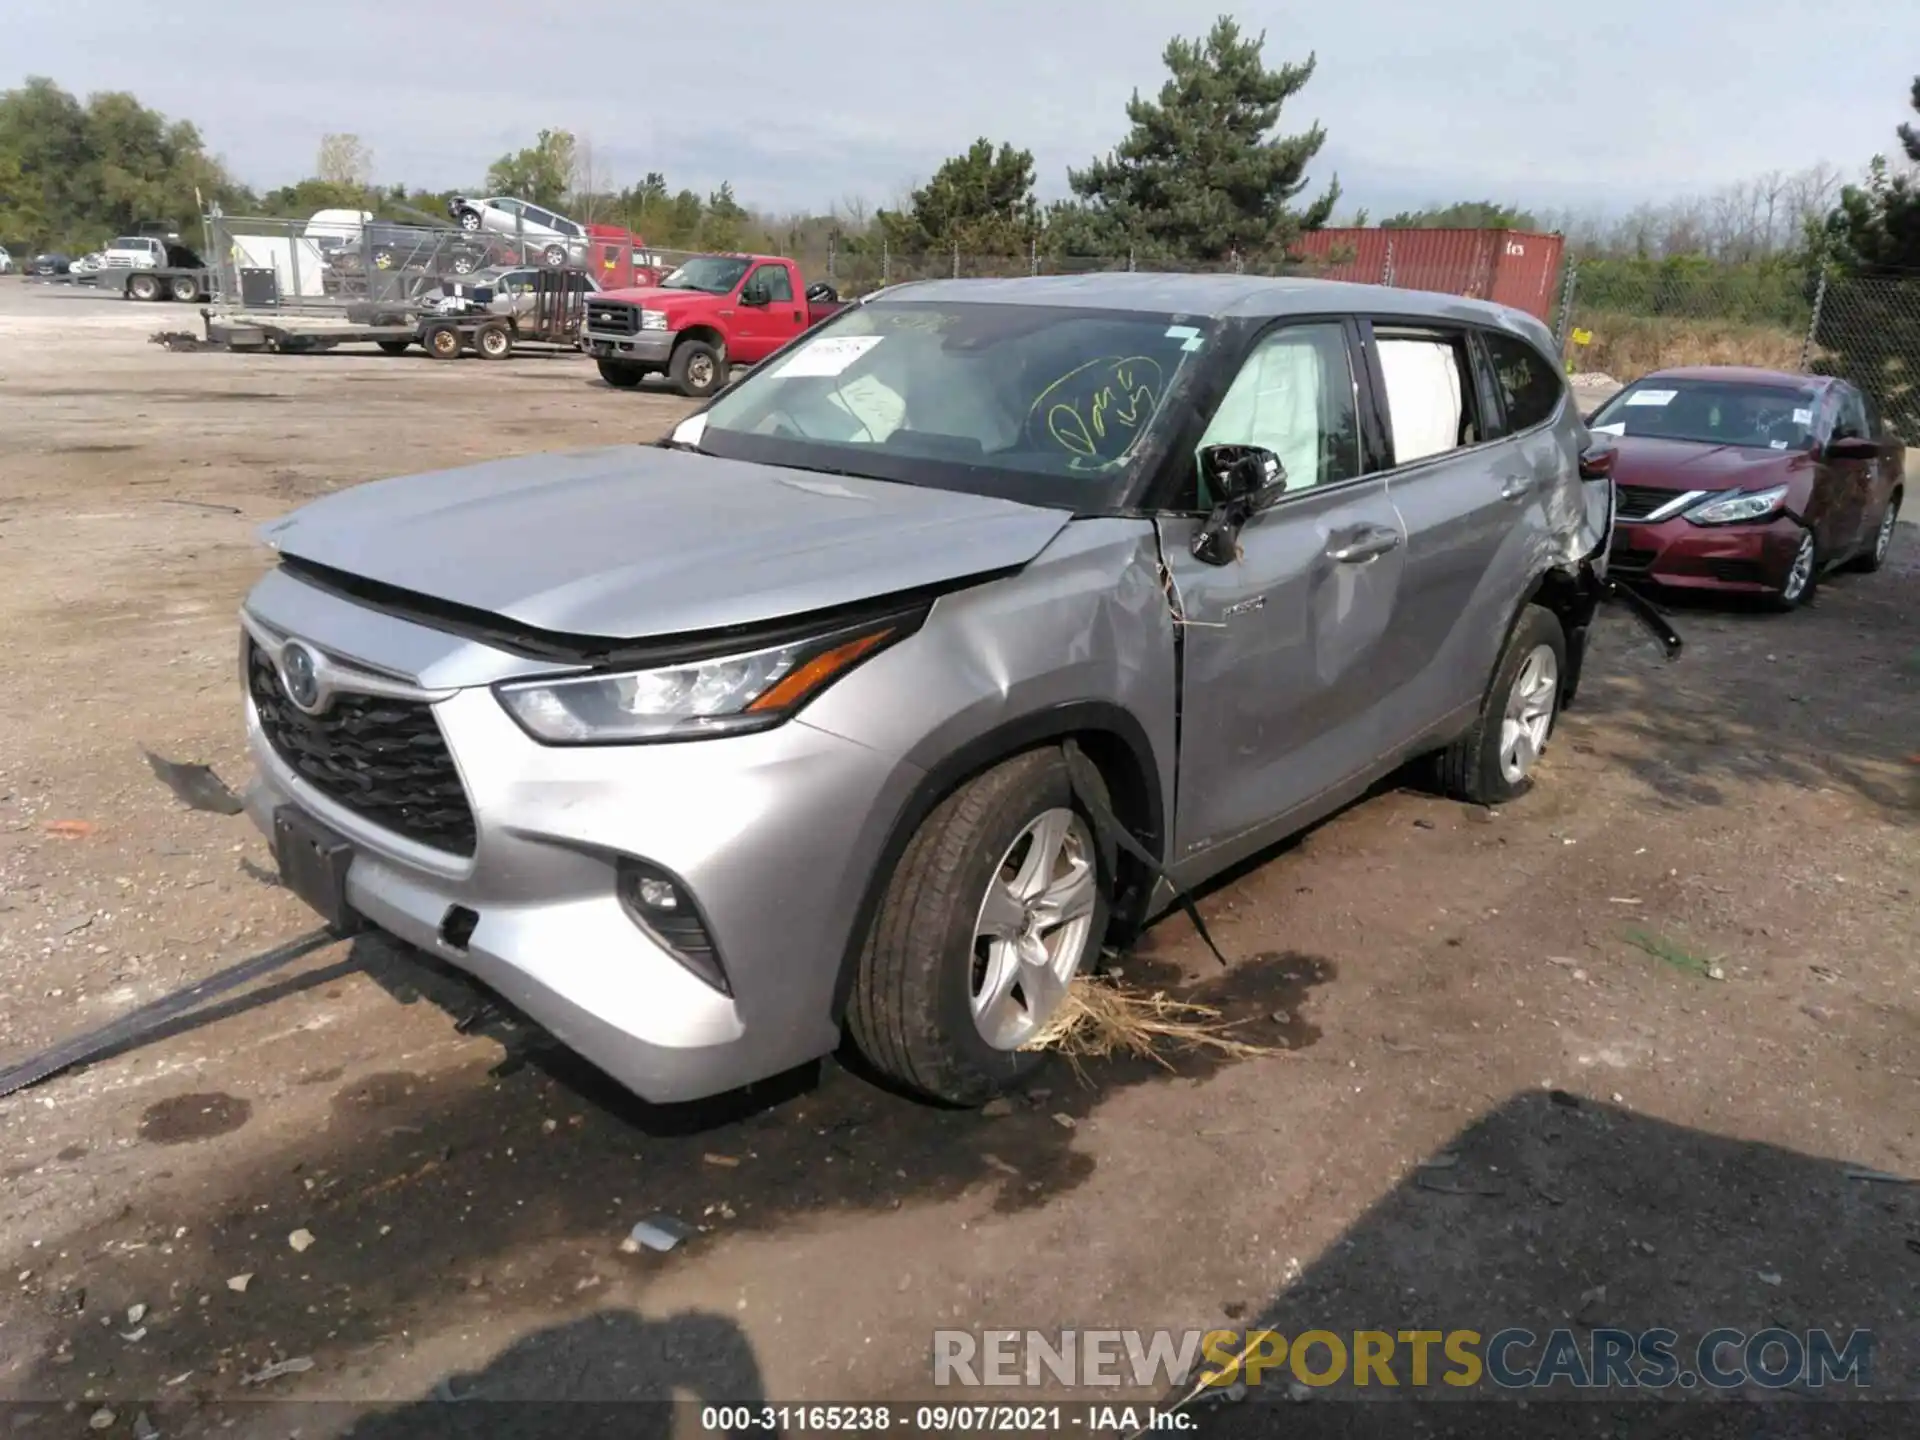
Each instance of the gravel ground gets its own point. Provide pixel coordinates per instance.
(1645, 1019)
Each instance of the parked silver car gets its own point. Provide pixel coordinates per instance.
(542, 234)
(511, 292)
(969, 631)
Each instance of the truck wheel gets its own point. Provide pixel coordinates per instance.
(697, 370)
(1494, 761)
(144, 287)
(622, 374)
(186, 289)
(494, 342)
(998, 902)
(396, 347)
(442, 342)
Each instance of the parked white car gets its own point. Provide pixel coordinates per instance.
(547, 237)
(6, 261)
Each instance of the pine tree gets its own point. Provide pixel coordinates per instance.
(1202, 177)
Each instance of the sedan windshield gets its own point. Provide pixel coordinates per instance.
(714, 274)
(1052, 405)
(1712, 412)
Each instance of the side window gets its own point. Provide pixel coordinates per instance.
(1294, 396)
(536, 216)
(1431, 404)
(774, 277)
(1530, 387)
(1874, 431)
(509, 207)
(1852, 421)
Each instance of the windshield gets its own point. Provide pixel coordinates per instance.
(1712, 412)
(129, 242)
(715, 274)
(1053, 405)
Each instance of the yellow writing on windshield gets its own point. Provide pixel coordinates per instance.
(1099, 403)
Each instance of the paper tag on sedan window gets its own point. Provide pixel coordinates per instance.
(1617, 427)
(1652, 397)
(829, 355)
(1803, 417)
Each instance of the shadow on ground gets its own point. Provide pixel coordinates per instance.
(1560, 1213)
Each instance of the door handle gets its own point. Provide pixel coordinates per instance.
(1515, 487)
(1367, 544)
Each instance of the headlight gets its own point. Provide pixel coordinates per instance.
(723, 695)
(1735, 508)
(653, 319)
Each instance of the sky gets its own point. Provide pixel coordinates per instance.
(1551, 106)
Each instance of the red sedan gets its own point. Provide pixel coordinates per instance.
(1750, 481)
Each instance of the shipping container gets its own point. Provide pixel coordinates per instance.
(1511, 267)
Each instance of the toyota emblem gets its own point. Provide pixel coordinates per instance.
(300, 676)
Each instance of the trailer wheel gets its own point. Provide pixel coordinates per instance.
(186, 289)
(144, 287)
(697, 369)
(395, 347)
(442, 342)
(622, 374)
(494, 342)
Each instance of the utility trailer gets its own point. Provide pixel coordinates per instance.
(446, 332)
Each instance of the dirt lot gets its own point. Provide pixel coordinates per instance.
(1699, 931)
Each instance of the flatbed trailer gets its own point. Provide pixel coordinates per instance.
(443, 337)
(186, 284)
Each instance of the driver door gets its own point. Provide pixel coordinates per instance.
(1283, 693)
(759, 330)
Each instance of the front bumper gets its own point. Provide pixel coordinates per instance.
(1680, 554)
(649, 347)
(773, 834)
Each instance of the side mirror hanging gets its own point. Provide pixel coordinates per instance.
(1244, 478)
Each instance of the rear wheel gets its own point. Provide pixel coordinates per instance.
(697, 369)
(1882, 537)
(1803, 576)
(1494, 761)
(186, 289)
(622, 374)
(997, 904)
(555, 255)
(494, 342)
(442, 342)
(144, 287)
(396, 347)
(464, 263)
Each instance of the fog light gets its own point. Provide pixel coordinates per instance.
(662, 907)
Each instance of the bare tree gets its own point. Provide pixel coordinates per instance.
(586, 181)
(852, 214)
(344, 160)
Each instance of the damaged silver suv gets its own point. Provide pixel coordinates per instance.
(968, 632)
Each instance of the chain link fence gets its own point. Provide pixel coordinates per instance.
(1868, 332)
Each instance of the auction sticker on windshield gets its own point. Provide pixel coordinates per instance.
(1652, 397)
(829, 355)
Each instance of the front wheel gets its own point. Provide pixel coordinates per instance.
(470, 221)
(997, 904)
(395, 347)
(1494, 761)
(1803, 574)
(697, 369)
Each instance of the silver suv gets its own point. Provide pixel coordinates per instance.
(967, 633)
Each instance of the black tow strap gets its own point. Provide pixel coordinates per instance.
(152, 1016)
(1088, 788)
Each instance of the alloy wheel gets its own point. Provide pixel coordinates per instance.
(700, 372)
(1529, 714)
(1884, 540)
(1034, 929)
(1796, 582)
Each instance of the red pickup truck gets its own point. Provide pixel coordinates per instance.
(713, 312)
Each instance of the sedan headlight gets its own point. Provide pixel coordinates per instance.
(721, 695)
(653, 319)
(1735, 508)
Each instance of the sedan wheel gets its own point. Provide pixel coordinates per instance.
(1529, 715)
(1882, 538)
(1801, 575)
(469, 220)
(1030, 936)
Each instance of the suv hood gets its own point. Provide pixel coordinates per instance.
(1686, 465)
(633, 542)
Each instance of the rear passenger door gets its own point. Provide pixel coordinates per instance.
(1283, 689)
(1851, 481)
(1472, 455)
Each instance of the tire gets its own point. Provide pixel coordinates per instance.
(1484, 766)
(186, 289)
(442, 342)
(1802, 577)
(622, 374)
(493, 342)
(144, 287)
(555, 256)
(1876, 555)
(464, 264)
(912, 1009)
(395, 347)
(697, 369)
(470, 221)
